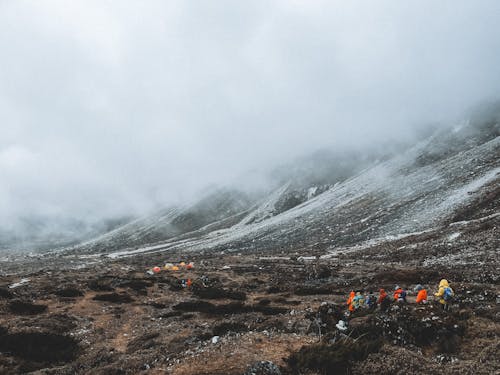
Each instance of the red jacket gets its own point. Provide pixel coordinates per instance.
(381, 296)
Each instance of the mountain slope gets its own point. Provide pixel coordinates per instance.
(429, 184)
(219, 209)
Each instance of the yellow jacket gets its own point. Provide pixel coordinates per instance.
(442, 285)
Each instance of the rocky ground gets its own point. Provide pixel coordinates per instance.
(112, 317)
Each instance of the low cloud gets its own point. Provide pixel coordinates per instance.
(117, 107)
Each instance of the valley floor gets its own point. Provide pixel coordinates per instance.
(111, 317)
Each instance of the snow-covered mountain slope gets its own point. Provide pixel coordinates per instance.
(219, 209)
(229, 208)
(281, 200)
(438, 181)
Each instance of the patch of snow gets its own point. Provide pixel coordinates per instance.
(463, 192)
(20, 283)
(394, 237)
(311, 192)
(464, 258)
(454, 236)
(480, 220)
(266, 208)
(274, 258)
(148, 249)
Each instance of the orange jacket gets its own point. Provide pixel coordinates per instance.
(350, 300)
(397, 293)
(422, 296)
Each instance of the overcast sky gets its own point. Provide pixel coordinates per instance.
(108, 107)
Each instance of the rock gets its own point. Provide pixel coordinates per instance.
(21, 307)
(263, 368)
(40, 346)
(5, 294)
(69, 292)
(213, 292)
(114, 298)
(215, 339)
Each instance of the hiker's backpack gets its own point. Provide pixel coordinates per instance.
(448, 294)
(369, 301)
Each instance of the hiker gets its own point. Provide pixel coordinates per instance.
(422, 294)
(383, 300)
(205, 281)
(340, 332)
(371, 301)
(341, 326)
(350, 300)
(358, 300)
(445, 294)
(399, 294)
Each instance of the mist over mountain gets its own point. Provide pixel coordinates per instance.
(320, 170)
(298, 180)
(114, 112)
(450, 176)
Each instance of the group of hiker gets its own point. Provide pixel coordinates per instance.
(357, 300)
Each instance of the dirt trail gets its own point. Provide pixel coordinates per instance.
(125, 334)
(233, 355)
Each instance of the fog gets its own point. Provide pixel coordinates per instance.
(113, 108)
